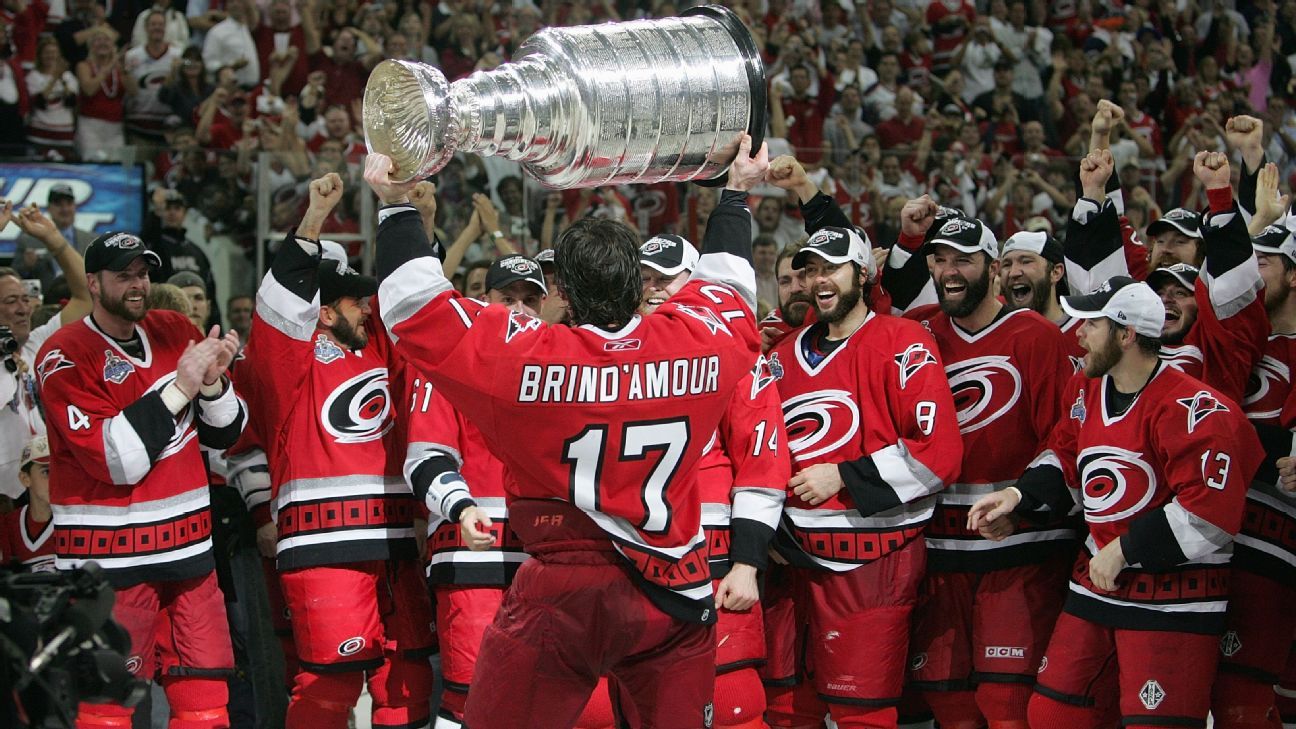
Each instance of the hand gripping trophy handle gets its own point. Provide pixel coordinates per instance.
(638, 102)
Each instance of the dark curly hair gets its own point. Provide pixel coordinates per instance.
(596, 263)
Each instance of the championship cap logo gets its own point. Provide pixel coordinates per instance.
(124, 241)
(955, 226)
(656, 245)
(521, 266)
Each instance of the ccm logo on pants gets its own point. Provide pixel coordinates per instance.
(1003, 651)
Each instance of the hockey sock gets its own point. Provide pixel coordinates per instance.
(323, 700)
(1046, 713)
(1240, 702)
(197, 703)
(1004, 702)
(739, 698)
(103, 716)
(597, 714)
(955, 709)
(794, 707)
(860, 717)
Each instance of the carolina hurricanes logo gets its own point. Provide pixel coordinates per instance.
(763, 375)
(53, 362)
(1182, 357)
(706, 316)
(357, 411)
(984, 388)
(519, 323)
(820, 422)
(1199, 406)
(1077, 363)
(915, 357)
(1270, 376)
(1117, 483)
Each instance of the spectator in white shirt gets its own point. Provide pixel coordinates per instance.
(229, 43)
(177, 25)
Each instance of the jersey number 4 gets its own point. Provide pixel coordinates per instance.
(585, 455)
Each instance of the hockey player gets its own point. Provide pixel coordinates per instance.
(1215, 325)
(1160, 463)
(873, 437)
(129, 397)
(472, 553)
(321, 372)
(25, 532)
(627, 401)
(741, 476)
(1256, 644)
(988, 606)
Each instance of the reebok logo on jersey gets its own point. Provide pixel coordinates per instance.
(622, 345)
(1151, 695)
(1230, 644)
(1199, 406)
(1116, 483)
(914, 358)
(326, 351)
(116, 369)
(53, 362)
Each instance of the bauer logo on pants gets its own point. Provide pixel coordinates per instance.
(351, 646)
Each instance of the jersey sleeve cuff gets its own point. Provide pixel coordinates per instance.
(1220, 199)
(1151, 542)
(749, 543)
(870, 492)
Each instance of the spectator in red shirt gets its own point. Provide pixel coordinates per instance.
(337, 127)
(221, 130)
(344, 73)
(275, 36)
(903, 130)
(799, 117)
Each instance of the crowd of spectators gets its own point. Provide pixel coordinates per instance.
(980, 104)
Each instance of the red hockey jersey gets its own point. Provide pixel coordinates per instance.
(1266, 544)
(1168, 478)
(437, 429)
(743, 474)
(624, 414)
(327, 424)
(26, 542)
(879, 406)
(1007, 383)
(128, 485)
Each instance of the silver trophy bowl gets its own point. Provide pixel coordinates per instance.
(638, 102)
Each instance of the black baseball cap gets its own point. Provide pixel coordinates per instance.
(545, 258)
(837, 245)
(508, 269)
(114, 251)
(337, 280)
(60, 191)
(1183, 274)
(1275, 240)
(1123, 300)
(964, 235)
(1181, 219)
(173, 197)
(669, 254)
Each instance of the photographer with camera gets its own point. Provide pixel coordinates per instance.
(20, 419)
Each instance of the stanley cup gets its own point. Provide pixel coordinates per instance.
(638, 102)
